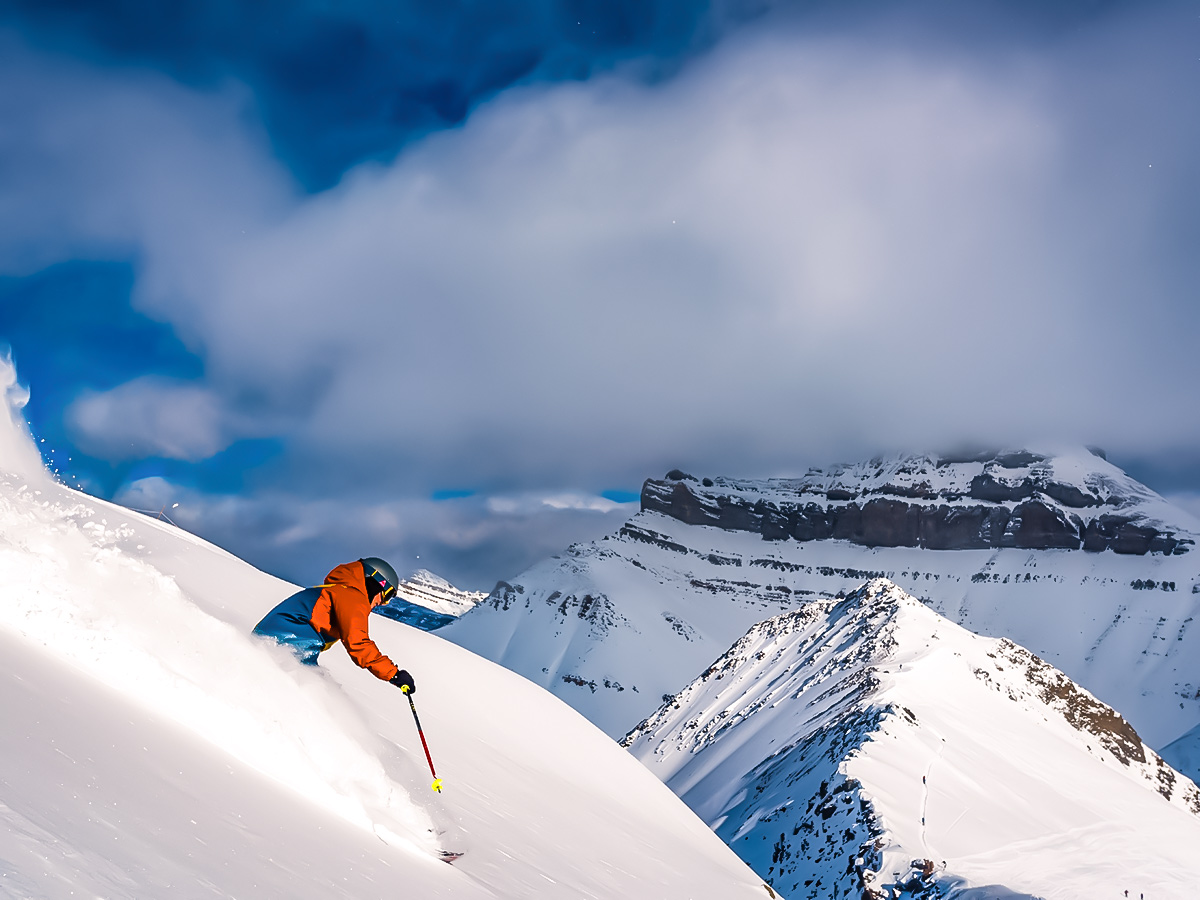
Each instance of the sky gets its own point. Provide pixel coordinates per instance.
(445, 283)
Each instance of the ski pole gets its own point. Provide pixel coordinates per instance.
(437, 782)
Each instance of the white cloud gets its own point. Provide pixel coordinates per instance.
(535, 502)
(1189, 501)
(800, 249)
(588, 502)
(150, 417)
(473, 541)
(794, 250)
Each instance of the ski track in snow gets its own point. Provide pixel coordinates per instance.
(925, 794)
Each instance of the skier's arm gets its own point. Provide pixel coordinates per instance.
(353, 618)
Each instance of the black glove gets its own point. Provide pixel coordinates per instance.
(404, 681)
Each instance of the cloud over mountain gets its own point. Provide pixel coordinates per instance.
(804, 244)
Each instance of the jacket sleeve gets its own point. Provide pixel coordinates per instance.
(352, 614)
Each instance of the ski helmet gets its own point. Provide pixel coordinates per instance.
(382, 574)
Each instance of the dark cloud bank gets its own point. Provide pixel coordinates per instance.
(674, 242)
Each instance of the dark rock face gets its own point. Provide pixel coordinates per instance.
(812, 523)
(775, 526)
(1069, 495)
(1037, 522)
(1036, 526)
(963, 528)
(684, 505)
(985, 487)
(889, 523)
(1020, 459)
(1122, 535)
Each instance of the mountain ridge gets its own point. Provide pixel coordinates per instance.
(804, 743)
(612, 625)
(1018, 499)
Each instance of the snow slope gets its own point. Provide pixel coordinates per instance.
(152, 747)
(613, 625)
(835, 745)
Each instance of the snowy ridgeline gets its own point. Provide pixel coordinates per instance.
(428, 602)
(867, 747)
(614, 625)
(152, 748)
(1074, 499)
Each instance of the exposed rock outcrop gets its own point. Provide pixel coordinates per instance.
(1010, 500)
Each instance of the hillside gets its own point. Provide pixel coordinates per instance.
(152, 747)
(867, 747)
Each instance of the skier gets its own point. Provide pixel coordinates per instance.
(316, 618)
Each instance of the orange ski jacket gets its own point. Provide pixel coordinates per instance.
(341, 613)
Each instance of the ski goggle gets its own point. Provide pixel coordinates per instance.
(389, 590)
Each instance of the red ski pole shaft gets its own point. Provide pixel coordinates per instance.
(437, 782)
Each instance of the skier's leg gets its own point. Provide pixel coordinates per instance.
(304, 646)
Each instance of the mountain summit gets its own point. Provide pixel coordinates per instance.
(867, 747)
(1064, 554)
(1072, 501)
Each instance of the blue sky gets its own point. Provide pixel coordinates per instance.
(444, 283)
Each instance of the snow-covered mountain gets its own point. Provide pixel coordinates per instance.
(1072, 500)
(1065, 554)
(868, 747)
(436, 593)
(153, 748)
(428, 601)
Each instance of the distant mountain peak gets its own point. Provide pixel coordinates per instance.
(431, 591)
(1074, 499)
(849, 746)
(428, 601)
(612, 625)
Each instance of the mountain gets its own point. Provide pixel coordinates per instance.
(152, 747)
(428, 601)
(436, 593)
(1063, 553)
(868, 747)
(1018, 499)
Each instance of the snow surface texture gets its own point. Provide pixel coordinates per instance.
(613, 626)
(867, 747)
(153, 748)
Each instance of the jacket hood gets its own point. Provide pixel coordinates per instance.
(349, 574)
